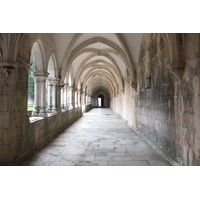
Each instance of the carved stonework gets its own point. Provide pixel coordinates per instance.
(3, 72)
(53, 82)
(134, 86)
(177, 69)
(6, 71)
(174, 43)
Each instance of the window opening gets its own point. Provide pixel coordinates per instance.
(31, 88)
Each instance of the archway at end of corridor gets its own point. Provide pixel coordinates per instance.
(101, 99)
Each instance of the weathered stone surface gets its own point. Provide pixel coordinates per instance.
(1, 136)
(4, 154)
(66, 148)
(11, 135)
(4, 119)
(167, 113)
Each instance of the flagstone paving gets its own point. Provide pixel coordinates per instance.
(99, 138)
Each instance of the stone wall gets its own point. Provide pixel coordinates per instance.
(88, 107)
(38, 133)
(187, 105)
(14, 121)
(155, 115)
(168, 113)
(19, 136)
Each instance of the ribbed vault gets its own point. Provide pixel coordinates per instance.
(98, 62)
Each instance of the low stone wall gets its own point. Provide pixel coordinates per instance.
(39, 132)
(88, 107)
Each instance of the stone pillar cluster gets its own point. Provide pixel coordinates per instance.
(79, 95)
(40, 95)
(52, 91)
(69, 97)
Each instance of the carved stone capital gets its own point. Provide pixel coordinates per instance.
(53, 81)
(75, 89)
(69, 88)
(6, 68)
(40, 76)
(177, 69)
(61, 85)
(22, 61)
(134, 85)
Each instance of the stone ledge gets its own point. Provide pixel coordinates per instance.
(34, 119)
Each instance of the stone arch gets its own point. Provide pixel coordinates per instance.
(97, 73)
(106, 82)
(10, 46)
(176, 53)
(110, 69)
(38, 56)
(51, 85)
(96, 52)
(40, 76)
(52, 67)
(125, 54)
(97, 92)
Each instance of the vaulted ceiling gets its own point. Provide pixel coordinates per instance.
(98, 60)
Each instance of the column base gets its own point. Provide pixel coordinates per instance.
(36, 112)
(43, 113)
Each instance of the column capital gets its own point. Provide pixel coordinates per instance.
(177, 69)
(6, 68)
(69, 87)
(40, 76)
(53, 81)
(66, 85)
(24, 62)
(75, 89)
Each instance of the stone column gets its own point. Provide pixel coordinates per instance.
(89, 99)
(40, 94)
(69, 97)
(55, 92)
(52, 94)
(59, 96)
(79, 92)
(50, 97)
(62, 97)
(86, 99)
(43, 111)
(65, 96)
(36, 97)
(83, 102)
(73, 97)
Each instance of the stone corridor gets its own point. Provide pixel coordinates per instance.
(99, 138)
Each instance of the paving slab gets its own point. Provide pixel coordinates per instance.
(129, 163)
(62, 163)
(98, 138)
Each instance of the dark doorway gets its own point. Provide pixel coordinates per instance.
(101, 100)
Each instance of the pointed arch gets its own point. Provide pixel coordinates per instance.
(176, 53)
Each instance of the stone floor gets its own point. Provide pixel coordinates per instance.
(99, 138)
